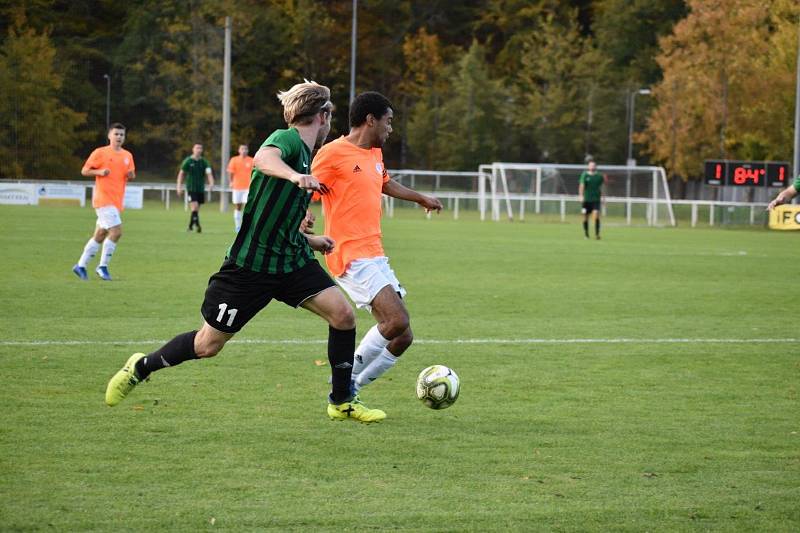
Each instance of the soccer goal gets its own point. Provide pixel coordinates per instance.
(637, 195)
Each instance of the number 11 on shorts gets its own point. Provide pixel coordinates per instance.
(221, 315)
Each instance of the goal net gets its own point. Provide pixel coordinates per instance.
(633, 195)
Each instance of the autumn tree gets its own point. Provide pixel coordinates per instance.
(727, 87)
(39, 132)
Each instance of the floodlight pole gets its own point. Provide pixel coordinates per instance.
(630, 163)
(108, 100)
(796, 158)
(353, 38)
(226, 118)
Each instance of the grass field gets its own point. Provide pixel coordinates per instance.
(645, 382)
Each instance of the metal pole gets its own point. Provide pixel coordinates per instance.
(353, 51)
(108, 101)
(226, 118)
(796, 160)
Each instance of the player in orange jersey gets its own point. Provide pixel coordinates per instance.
(239, 169)
(352, 169)
(112, 167)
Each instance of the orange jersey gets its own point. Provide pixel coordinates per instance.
(240, 169)
(355, 177)
(110, 190)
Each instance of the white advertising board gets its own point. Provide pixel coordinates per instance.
(18, 193)
(134, 197)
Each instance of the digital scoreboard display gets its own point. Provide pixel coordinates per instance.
(746, 173)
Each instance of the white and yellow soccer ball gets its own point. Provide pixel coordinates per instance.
(438, 387)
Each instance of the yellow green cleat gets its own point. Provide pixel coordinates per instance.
(123, 381)
(354, 410)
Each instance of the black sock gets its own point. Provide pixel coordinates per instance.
(597, 227)
(341, 345)
(586, 227)
(197, 218)
(175, 352)
(191, 220)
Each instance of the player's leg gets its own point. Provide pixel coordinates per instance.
(312, 288)
(233, 296)
(193, 219)
(384, 342)
(596, 215)
(109, 247)
(90, 249)
(237, 217)
(586, 211)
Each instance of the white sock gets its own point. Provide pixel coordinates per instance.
(376, 369)
(237, 219)
(108, 250)
(89, 251)
(371, 347)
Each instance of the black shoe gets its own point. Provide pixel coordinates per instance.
(199, 229)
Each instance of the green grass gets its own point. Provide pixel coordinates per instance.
(629, 436)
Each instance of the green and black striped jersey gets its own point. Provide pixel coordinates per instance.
(270, 240)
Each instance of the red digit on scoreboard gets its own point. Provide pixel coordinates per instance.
(718, 171)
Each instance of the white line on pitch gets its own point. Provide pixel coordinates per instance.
(421, 341)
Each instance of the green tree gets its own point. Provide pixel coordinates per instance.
(560, 79)
(39, 133)
(468, 116)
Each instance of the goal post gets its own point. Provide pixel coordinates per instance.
(638, 194)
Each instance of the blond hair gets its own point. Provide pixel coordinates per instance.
(303, 101)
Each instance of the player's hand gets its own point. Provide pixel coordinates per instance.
(307, 224)
(308, 182)
(104, 172)
(431, 203)
(179, 190)
(131, 175)
(321, 243)
(775, 203)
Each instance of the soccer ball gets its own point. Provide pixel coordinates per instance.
(438, 387)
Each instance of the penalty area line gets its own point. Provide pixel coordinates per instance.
(623, 340)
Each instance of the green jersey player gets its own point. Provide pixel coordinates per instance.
(590, 190)
(271, 258)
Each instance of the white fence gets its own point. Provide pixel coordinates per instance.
(460, 191)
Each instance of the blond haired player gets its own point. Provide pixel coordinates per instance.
(239, 169)
(352, 169)
(270, 259)
(112, 167)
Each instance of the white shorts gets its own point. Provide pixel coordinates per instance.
(364, 279)
(108, 216)
(239, 196)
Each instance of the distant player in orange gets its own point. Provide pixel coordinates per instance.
(239, 169)
(352, 169)
(112, 167)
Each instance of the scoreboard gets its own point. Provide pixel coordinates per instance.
(747, 173)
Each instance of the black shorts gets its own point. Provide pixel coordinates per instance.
(235, 294)
(199, 197)
(588, 207)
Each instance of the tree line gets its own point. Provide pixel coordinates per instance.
(472, 82)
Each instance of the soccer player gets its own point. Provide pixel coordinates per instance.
(270, 258)
(786, 195)
(352, 169)
(196, 170)
(590, 189)
(239, 169)
(112, 166)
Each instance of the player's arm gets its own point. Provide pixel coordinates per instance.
(320, 243)
(268, 161)
(783, 197)
(210, 178)
(91, 169)
(581, 186)
(401, 192)
(179, 184)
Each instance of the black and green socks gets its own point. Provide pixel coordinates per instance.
(175, 352)
(341, 345)
(194, 219)
(586, 227)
